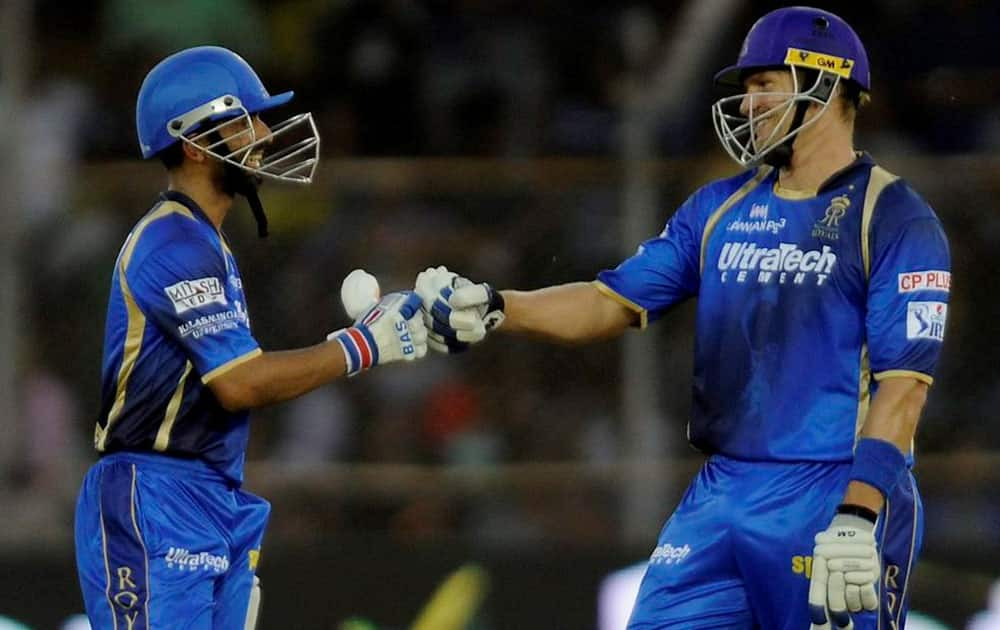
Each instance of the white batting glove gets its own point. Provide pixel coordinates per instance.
(845, 573)
(457, 313)
(391, 330)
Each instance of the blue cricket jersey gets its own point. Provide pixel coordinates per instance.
(177, 318)
(804, 303)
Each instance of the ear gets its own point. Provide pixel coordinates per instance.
(192, 152)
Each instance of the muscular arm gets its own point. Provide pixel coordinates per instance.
(274, 377)
(568, 313)
(893, 417)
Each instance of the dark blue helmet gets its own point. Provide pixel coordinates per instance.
(801, 37)
(792, 38)
(190, 79)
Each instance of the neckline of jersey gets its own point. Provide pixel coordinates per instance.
(192, 205)
(189, 203)
(862, 159)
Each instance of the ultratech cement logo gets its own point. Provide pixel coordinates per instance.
(184, 560)
(668, 554)
(189, 294)
(785, 264)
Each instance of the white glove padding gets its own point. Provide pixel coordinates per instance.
(457, 312)
(391, 330)
(845, 572)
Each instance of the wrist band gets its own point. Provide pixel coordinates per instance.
(360, 351)
(879, 464)
(858, 510)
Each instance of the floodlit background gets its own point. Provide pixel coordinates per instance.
(521, 142)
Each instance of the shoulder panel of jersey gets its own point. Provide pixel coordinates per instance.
(168, 222)
(666, 269)
(909, 265)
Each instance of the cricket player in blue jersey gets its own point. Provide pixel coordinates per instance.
(165, 537)
(822, 283)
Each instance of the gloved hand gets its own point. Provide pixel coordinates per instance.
(391, 330)
(845, 572)
(457, 313)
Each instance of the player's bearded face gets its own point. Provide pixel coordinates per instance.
(234, 135)
(242, 132)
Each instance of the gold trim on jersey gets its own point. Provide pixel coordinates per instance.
(716, 216)
(107, 560)
(920, 376)
(877, 182)
(913, 546)
(791, 194)
(135, 317)
(864, 392)
(225, 367)
(163, 434)
(142, 543)
(624, 301)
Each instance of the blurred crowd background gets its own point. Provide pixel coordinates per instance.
(523, 143)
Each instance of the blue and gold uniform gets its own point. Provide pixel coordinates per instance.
(161, 520)
(804, 304)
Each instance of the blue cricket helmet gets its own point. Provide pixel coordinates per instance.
(802, 37)
(191, 79)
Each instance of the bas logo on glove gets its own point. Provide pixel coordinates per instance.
(391, 330)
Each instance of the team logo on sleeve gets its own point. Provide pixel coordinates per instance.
(911, 281)
(189, 294)
(925, 320)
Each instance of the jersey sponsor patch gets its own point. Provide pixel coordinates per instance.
(669, 554)
(189, 294)
(215, 323)
(911, 281)
(925, 320)
(785, 263)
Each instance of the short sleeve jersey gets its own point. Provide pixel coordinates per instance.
(801, 302)
(177, 318)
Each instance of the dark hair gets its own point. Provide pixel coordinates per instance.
(172, 156)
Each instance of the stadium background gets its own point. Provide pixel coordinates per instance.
(526, 143)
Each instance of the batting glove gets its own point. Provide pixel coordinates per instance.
(457, 313)
(845, 572)
(391, 330)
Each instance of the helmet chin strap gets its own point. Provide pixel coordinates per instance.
(236, 181)
(781, 155)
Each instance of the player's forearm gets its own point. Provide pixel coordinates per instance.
(275, 377)
(892, 418)
(568, 313)
(895, 411)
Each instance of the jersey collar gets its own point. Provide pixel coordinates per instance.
(187, 202)
(862, 160)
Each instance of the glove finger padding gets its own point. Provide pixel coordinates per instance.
(818, 595)
(852, 593)
(837, 599)
(430, 283)
(869, 598)
(445, 345)
(465, 321)
(475, 296)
